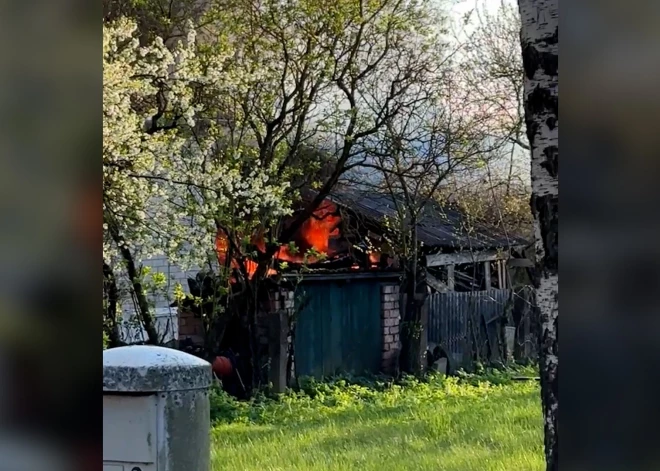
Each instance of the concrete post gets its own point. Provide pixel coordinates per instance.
(424, 321)
(278, 350)
(510, 339)
(156, 412)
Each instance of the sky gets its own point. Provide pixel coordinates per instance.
(462, 6)
(456, 14)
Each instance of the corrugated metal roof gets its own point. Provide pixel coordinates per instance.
(438, 228)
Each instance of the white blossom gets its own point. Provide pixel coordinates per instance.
(165, 191)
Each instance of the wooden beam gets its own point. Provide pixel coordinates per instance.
(487, 274)
(441, 259)
(451, 279)
(505, 280)
(436, 284)
(520, 263)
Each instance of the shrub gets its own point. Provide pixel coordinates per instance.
(316, 400)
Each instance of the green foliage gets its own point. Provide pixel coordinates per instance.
(314, 398)
(496, 202)
(179, 294)
(485, 422)
(313, 254)
(293, 248)
(498, 376)
(225, 408)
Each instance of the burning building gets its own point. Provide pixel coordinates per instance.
(348, 300)
(349, 232)
(329, 239)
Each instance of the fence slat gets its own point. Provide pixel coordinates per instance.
(448, 320)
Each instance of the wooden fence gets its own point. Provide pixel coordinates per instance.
(469, 326)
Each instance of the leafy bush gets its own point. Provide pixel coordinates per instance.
(225, 408)
(316, 400)
(502, 375)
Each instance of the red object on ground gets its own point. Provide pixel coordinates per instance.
(222, 366)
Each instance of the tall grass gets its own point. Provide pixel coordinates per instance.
(485, 422)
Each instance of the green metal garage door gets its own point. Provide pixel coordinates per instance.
(339, 328)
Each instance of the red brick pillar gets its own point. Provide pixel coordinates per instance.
(190, 327)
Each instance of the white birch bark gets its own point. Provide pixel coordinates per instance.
(540, 51)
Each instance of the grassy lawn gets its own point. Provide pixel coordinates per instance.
(467, 424)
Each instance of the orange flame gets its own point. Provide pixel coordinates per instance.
(222, 246)
(316, 233)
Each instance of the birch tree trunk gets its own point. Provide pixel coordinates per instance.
(540, 52)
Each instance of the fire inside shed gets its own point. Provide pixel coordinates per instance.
(327, 232)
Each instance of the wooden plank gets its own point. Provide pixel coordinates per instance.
(487, 274)
(436, 284)
(340, 329)
(442, 259)
(520, 263)
(505, 281)
(451, 278)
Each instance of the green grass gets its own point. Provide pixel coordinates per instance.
(451, 424)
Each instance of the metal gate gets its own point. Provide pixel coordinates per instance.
(338, 328)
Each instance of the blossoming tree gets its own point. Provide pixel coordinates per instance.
(230, 122)
(167, 181)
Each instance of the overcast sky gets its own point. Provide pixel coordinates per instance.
(462, 6)
(458, 11)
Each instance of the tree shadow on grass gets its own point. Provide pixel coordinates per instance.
(244, 435)
(345, 418)
(449, 435)
(480, 425)
(411, 446)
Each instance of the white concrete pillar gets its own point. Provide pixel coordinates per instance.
(156, 412)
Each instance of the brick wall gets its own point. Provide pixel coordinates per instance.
(279, 300)
(190, 327)
(391, 317)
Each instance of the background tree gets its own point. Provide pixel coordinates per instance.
(135, 78)
(268, 82)
(164, 19)
(166, 179)
(540, 54)
(489, 78)
(492, 70)
(329, 76)
(412, 158)
(487, 197)
(459, 146)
